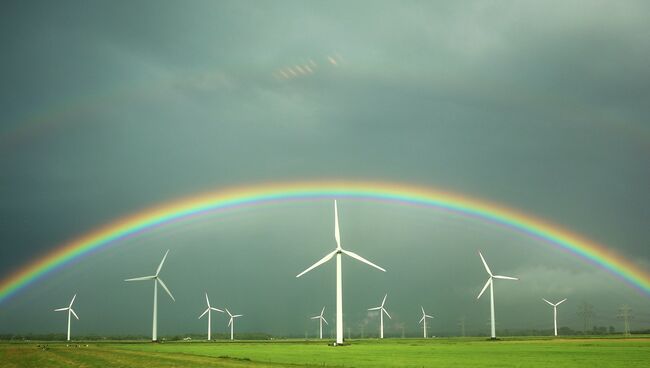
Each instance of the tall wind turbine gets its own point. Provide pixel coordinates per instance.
(70, 311)
(321, 319)
(209, 312)
(339, 284)
(490, 283)
(381, 316)
(156, 280)
(231, 323)
(424, 320)
(555, 312)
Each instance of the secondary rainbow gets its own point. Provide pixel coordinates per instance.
(222, 200)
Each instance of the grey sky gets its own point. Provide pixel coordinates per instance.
(112, 107)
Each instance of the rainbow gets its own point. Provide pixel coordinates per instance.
(223, 200)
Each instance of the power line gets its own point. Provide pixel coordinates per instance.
(586, 311)
(625, 314)
(461, 323)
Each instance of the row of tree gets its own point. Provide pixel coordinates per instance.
(562, 331)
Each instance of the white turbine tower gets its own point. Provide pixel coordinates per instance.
(70, 311)
(209, 312)
(424, 320)
(156, 281)
(231, 323)
(339, 284)
(381, 316)
(490, 283)
(555, 312)
(321, 319)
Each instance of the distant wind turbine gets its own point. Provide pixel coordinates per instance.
(231, 323)
(490, 283)
(381, 316)
(156, 281)
(424, 320)
(321, 319)
(209, 312)
(70, 311)
(339, 284)
(555, 312)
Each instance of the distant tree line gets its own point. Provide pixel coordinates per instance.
(562, 331)
(179, 337)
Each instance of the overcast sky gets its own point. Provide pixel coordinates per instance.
(108, 108)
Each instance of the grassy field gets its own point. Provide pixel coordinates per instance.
(364, 353)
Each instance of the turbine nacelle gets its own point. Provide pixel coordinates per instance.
(69, 308)
(210, 308)
(381, 308)
(232, 316)
(339, 249)
(424, 315)
(320, 316)
(70, 311)
(492, 276)
(556, 304)
(155, 277)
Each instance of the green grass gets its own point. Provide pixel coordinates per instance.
(451, 352)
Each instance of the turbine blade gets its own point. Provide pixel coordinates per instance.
(161, 262)
(230, 321)
(61, 309)
(141, 278)
(505, 277)
(324, 320)
(216, 309)
(428, 316)
(72, 301)
(165, 287)
(75, 314)
(359, 258)
(560, 302)
(321, 312)
(203, 314)
(385, 311)
(384, 301)
(315, 317)
(485, 263)
(421, 307)
(227, 311)
(484, 287)
(237, 315)
(322, 260)
(375, 308)
(421, 319)
(207, 300)
(337, 234)
(549, 303)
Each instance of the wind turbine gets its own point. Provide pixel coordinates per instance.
(70, 311)
(555, 312)
(231, 323)
(156, 281)
(381, 316)
(490, 283)
(209, 312)
(339, 284)
(424, 319)
(321, 319)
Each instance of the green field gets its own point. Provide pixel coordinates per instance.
(360, 353)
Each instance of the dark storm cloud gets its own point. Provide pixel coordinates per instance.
(539, 106)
